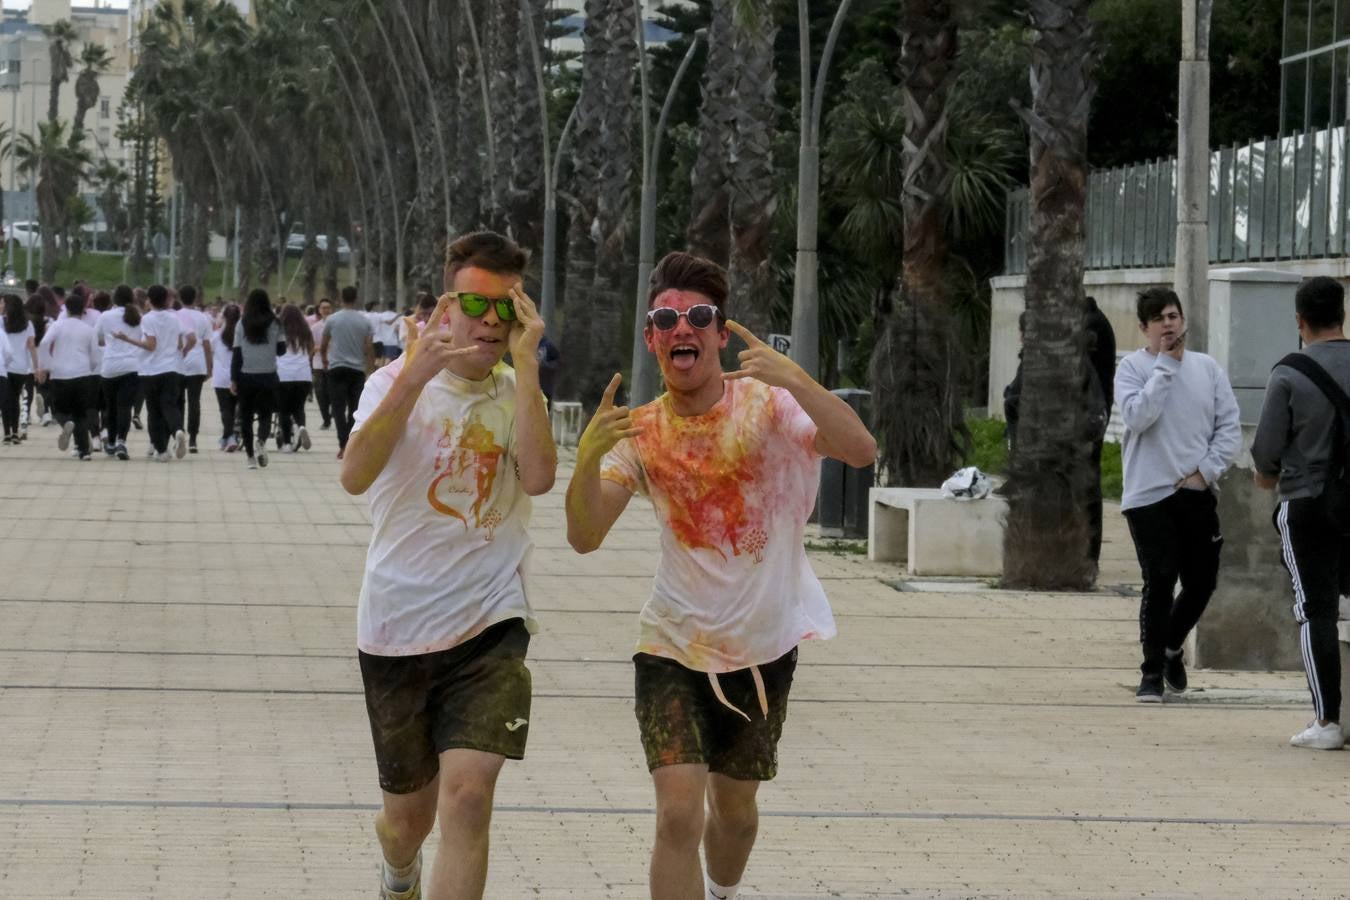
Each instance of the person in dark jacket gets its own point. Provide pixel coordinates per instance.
(1102, 357)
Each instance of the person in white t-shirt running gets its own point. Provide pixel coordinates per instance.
(450, 444)
(730, 462)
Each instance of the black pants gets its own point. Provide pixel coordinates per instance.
(161, 405)
(190, 404)
(72, 398)
(321, 395)
(228, 404)
(344, 388)
(17, 385)
(118, 394)
(44, 390)
(292, 408)
(1175, 538)
(257, 396)
(1094, 505)
(1314, 553)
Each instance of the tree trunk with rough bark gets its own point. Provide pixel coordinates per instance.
(916, 389)
(754, 181)
(709, 231)
(1046, 541)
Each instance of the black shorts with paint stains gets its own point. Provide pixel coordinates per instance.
(475, 696)
(681, 719)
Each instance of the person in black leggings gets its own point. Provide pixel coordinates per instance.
(223, 341)
(294, 371)
(162, 343)
(120, 380)
(19, 335)
(258, 341)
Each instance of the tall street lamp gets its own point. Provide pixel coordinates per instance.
(805, 295)
(644, 370)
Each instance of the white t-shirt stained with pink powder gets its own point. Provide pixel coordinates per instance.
(732, 489)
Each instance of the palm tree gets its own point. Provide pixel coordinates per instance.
(916, 412)
(95, 60)
(1046, 541)
(110, 183)
(602, 162)
(60, 36)
(753, 180)
(709, 231)
(54, 162)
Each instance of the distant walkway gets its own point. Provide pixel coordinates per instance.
(192, 725)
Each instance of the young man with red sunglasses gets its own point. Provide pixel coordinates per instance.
(730, 462)
(451, 444)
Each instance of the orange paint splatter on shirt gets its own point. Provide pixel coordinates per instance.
(474, 454)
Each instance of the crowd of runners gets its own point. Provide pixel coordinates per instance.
(96, 366)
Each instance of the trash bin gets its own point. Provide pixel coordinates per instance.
(843, 489)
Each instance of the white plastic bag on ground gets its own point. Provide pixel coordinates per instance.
(967, 484)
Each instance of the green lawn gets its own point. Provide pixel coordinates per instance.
(990, 454)
(104, 270)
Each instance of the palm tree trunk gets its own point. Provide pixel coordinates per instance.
(1046, 542)
(753, 178)
(916, 407)
(594, 339)
(709, 231)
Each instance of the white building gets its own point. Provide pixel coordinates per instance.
(25, 75)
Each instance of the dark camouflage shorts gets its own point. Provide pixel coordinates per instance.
(475, 696)
(681, 720)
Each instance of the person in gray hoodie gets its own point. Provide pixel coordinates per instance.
(1292, 451)
(1181, 434)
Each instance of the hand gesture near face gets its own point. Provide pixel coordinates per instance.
(762, 362)
(608, 426)
(429, 352)
(527, 330)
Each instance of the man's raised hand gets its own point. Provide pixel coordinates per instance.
(527, 330)
(762, 362)
(608, 426)
(429, 352)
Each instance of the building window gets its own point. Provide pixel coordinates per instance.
(104, 107)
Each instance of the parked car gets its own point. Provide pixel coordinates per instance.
(26, 234)
(295, 246)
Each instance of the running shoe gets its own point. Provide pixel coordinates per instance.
(63, 439)
(192, 445)
(85, 457)
(162, 457)
(179, 444)
(1320, 737)
(262, 454)
(251, 463)
(412, 892)
(121, 451)
(232, 445)
(39, 406)
(291, 448)
(109, 449)
(1150, 689)
(47, 419)
(302, 438)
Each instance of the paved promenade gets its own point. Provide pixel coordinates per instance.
(181, 717)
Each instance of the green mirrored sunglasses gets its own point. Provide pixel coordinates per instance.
(476, 305)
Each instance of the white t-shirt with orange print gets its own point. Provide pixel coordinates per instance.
(732, 489)
(449, 544)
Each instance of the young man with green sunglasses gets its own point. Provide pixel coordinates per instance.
(450, 444)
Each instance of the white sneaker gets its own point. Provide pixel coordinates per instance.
(252, 463)
(302, 438)
(179, 443)
(40, 407)
(162, 457)
(46, 419)
(63, 439)
(1320, 737)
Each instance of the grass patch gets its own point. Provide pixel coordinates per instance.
(989, 453)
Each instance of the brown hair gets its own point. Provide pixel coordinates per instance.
(686, 272)
(485, 250)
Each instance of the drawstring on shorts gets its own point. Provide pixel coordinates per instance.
(759, 691)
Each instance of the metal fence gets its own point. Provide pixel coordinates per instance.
(1278, 198)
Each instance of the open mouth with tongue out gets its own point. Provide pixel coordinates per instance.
(683, 356)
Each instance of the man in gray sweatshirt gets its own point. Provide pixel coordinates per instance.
(1292, 450)
(1181, 434)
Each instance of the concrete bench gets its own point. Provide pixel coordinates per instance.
(934, 535)
(565, 417)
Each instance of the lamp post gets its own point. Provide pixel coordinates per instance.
(805, 295)
(644, 379)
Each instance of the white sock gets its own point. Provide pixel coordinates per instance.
(719, 891)
(400, 880)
